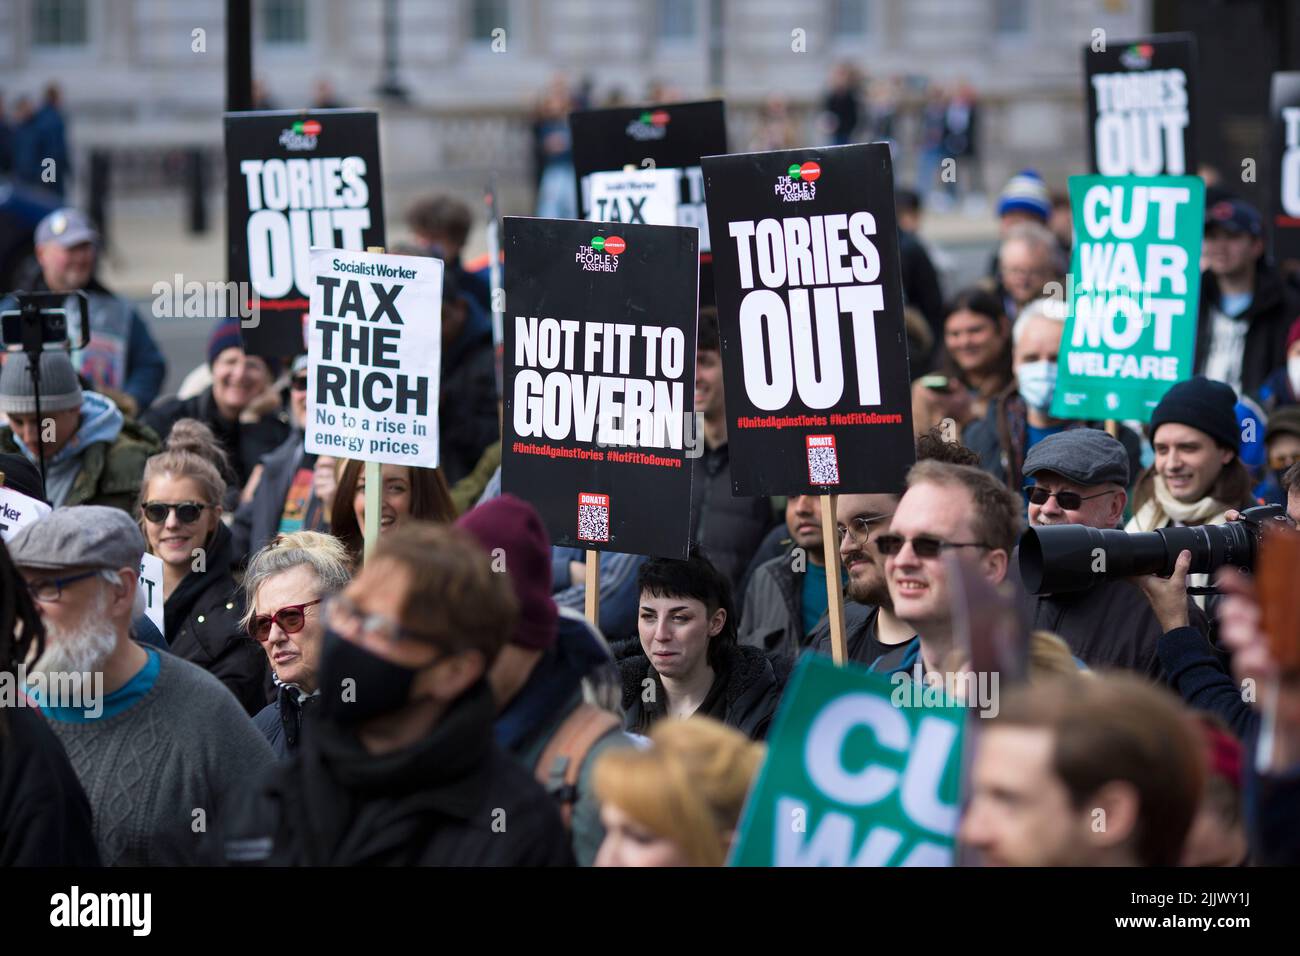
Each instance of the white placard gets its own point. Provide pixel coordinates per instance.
(151, 584)
(17, 511)
(635, 196)
(374, 347)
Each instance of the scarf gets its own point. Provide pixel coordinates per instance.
(1163, 508)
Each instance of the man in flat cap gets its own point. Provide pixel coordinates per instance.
(1079, 476)
(157, 743)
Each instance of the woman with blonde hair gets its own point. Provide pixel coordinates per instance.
(677, 802)
(180, 514)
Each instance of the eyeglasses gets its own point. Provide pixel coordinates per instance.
(345, 617)
(859, 527)
(188, 512)
(924, 545)
(1280, 462)
(298, 383)
(291, 618)
(1069, 500)
(49, 590)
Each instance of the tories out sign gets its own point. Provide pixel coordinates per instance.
(599, 373)
(374, 357)
(810, 311)
(851, 779)
(294, 181)
(1141, 106)
(1285, 115)
(1135, 283)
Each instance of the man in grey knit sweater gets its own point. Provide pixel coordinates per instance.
(158, 743)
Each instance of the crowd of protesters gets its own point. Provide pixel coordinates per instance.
(442, 700)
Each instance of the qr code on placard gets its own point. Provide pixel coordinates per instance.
(823, 463)
(593, 517)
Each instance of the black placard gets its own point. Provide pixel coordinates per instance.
(598, 429)
(296, 179)
(1284, 176)
(1142, 103)
(810, 310)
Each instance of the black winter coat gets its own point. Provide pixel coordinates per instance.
(744, 694)
(729, 529)
(454, 798)
(201, 624)
(245, 442)
(45, 817)
(1272, 310)
(281, 721)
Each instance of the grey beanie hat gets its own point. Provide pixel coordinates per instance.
(60, 389)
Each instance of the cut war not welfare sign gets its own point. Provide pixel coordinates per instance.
(294, 181)
(599, 381)
(810, 311)
(851, 778)
(1142, 106)
(1134, 286)
(374, 354)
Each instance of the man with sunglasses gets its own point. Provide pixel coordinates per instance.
(293, 489)
(401, 767)
(1079, 477)
(946, 508)
(160, 751)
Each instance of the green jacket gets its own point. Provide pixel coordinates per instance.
(110, 474)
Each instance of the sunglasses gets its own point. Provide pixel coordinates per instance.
(924, 545)
(1069, 500)
(291, 619)
(187, 511)
(298, 383)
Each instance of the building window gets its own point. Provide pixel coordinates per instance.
(486, 16)
(284, 22)
(850, 18)
(60, 23)
(1011, 17)
(675, 19)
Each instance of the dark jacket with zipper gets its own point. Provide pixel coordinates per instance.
(729, 529)
(201, 623)
(1273, 308)
(744, 694)
(773, 616)
(452, 798)
(281, 722)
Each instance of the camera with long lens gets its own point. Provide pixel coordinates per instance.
(1058, 559)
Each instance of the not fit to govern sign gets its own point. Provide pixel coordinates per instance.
(374, 349)
(810, 311)
(1135, 283)
(851, 779)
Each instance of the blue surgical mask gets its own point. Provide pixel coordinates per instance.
(1037, 384)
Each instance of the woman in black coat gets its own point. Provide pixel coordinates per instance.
(180, 514)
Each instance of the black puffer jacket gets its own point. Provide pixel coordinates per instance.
(744, 694)
(201, 624)
(729, 529)
(453, 798)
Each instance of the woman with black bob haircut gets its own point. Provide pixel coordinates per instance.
(685, 661)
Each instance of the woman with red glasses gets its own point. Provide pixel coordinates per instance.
(286, 584)
(180, 514)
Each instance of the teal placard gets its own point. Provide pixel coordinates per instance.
(1133, 288)
(852, 778)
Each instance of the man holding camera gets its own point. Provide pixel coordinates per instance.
(1079, 477)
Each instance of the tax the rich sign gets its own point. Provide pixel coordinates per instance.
(295, 180)
(598, 427)
(1134, 288)
(810, 310)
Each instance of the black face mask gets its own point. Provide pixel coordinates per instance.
(356, 685)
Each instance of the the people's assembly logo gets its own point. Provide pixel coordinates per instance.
(1138, 56)
(652, 124)
(799, 184)
(300, 136)
(601, 255)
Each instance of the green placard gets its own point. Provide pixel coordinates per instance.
(1133, 288)
(852, 778)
